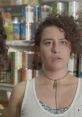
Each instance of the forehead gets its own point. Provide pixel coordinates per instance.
(53, 32)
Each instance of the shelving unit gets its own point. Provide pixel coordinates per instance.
(17, 10)
(20, 45)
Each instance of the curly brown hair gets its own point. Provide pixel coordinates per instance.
(65, 22)
(4, 60)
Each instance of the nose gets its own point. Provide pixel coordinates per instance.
(55, 48)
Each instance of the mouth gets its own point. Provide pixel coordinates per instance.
(56, 59)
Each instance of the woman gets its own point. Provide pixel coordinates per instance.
(54, 93)
(4, 60)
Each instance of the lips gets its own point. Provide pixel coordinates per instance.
(56, 59)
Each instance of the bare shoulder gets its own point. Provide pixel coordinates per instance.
(77, 79)
(15, 100)
(19, 87)
(18, 92)
(17, 95)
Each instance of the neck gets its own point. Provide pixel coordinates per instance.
(55, 77)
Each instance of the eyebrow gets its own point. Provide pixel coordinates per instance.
(63, 39)
(49, 39)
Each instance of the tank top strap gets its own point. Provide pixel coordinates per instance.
(27, 88)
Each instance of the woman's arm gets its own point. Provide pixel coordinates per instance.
(14, 107)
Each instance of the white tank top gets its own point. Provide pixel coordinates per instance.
(31, 106)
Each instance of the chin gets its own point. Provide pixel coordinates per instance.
(56, 67)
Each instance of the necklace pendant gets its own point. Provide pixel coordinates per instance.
(55, 84)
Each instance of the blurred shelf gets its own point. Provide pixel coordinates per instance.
(20, 43)
(6, 87)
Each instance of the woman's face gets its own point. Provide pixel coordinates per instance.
(54, 49)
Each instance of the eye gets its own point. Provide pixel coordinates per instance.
(64, 42)
(47, 43)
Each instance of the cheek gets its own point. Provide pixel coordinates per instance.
(67, 55)
(44, 56)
